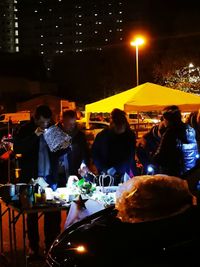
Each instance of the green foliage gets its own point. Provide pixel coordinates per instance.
(85, 187)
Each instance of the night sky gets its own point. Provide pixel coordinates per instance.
(172, 28)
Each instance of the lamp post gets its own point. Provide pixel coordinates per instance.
(137, 42)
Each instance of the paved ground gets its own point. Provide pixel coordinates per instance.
(11, 259)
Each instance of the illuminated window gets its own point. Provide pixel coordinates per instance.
(4, 15)
(60, 17)
(120, 3)
(110, 13)
(41, 52)
(15, 1)
(79, 24)
(41, 36)
(110, 30)
(41, 44)
(95, 31)
(17, 48)
(80, 33)
(121, 39)
(48, 69)
(50, 9)
(80, 16)
(106, 40)
(35, 11)
(16, 24)
(16, 40)
(15, 9)
(120, 20)
(61, 42)
(61, 51)
(59, 0)
(96, 14)
(100, 22)
(56, 26)
(80, 42)
(120, 30)
(16, 32)
(120, 12)
(41, 19)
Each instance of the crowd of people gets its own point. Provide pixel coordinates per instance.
(170, 148)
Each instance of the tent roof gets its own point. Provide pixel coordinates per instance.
(146, 97)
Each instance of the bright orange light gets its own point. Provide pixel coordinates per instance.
(81, 249)
(137, 41)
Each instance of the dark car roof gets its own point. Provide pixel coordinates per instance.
(105, 236)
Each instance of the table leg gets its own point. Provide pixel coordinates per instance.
(10, 230)
(1, 230)
(14, 231)
(24, 239)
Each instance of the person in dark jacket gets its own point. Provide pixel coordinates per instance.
(148, 145)
(113, 151)
(178, 151)
(38, 161)
(76, 161)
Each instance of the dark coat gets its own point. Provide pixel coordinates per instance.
(178, 151)
(114, 150)
(26, 142)
(79, 151)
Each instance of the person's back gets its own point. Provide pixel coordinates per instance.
(113, 150)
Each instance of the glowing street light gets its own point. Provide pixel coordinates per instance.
(138, 41)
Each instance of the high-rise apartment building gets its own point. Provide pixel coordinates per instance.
(9, 39)
(52, 27)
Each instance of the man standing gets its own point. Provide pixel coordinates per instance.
(38, 161)
(74, 162)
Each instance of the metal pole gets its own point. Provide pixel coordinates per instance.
(1, 229)
(10, 230)
(137, 69)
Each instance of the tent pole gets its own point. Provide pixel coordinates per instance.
(138, 123)
(87, 117)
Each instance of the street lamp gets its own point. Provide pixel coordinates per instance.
(137, 42)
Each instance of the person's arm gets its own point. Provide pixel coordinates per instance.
(165, 148)
(85, 150)
(97, 152)
(25, 141)
(130, 155)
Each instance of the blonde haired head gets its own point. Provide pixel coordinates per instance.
(147, 197)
